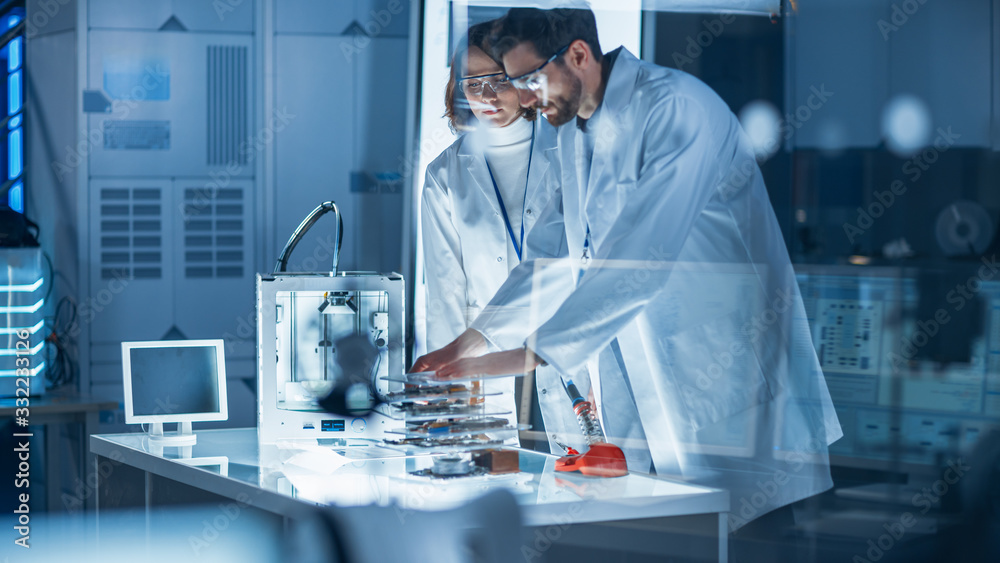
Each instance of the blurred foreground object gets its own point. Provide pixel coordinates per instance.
(486, 530)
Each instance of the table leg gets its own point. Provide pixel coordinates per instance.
(149, 505)
(89, 460)
(97, 498)
(53, 481)
(723, 537)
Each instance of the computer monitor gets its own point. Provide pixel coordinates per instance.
(174, 381)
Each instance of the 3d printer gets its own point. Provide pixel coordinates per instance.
(301, 318)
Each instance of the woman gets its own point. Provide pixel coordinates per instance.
(482, 196)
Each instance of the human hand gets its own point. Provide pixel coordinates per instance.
(469, 343)
(507, 362)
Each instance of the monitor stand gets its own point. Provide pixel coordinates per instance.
(182, 437)
(184, 451)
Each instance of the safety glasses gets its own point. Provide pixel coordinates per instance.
(476, 85)
(534, 80)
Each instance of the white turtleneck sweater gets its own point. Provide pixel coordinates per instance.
(507, 153)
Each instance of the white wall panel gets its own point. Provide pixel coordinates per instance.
(158, 83)
(213, 281)
(314, 153)
(46, 16)
(194, 15)
(130, 260)
(380, 121)
(378, 18)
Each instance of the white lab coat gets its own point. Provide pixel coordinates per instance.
(691, 277)
(465, 250)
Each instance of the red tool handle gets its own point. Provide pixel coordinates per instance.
(601, 460)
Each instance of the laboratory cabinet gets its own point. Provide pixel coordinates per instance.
(847, 59)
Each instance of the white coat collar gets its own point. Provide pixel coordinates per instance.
(474, 161)
(621, 84)
(617, 96)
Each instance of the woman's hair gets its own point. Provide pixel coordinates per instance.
(457, 110)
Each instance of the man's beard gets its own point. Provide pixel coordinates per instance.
(566, 107)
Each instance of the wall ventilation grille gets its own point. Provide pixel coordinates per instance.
(131, 233)
(214, 233)
(228, 104)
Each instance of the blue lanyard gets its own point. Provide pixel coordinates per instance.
(503, 208)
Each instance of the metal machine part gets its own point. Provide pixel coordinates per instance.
(452, 465)
(304, 226)
(964, 228)
(588, 423)
(585, 416)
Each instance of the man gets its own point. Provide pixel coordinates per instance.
(685, 301)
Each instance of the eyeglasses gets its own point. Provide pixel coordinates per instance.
(535, 79)
(476, 85)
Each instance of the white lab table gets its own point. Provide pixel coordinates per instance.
(578, 515)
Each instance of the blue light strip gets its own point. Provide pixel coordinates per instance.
(14, 54)
(15, 163)
(26, 288)
(15, 101)
(30, 329)
(31, 352)
(14, 93)
(13, 372)
(15, 197)
(23, 308)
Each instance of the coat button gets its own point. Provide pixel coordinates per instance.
(499, 258)
(528, 212)
(544, 391)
